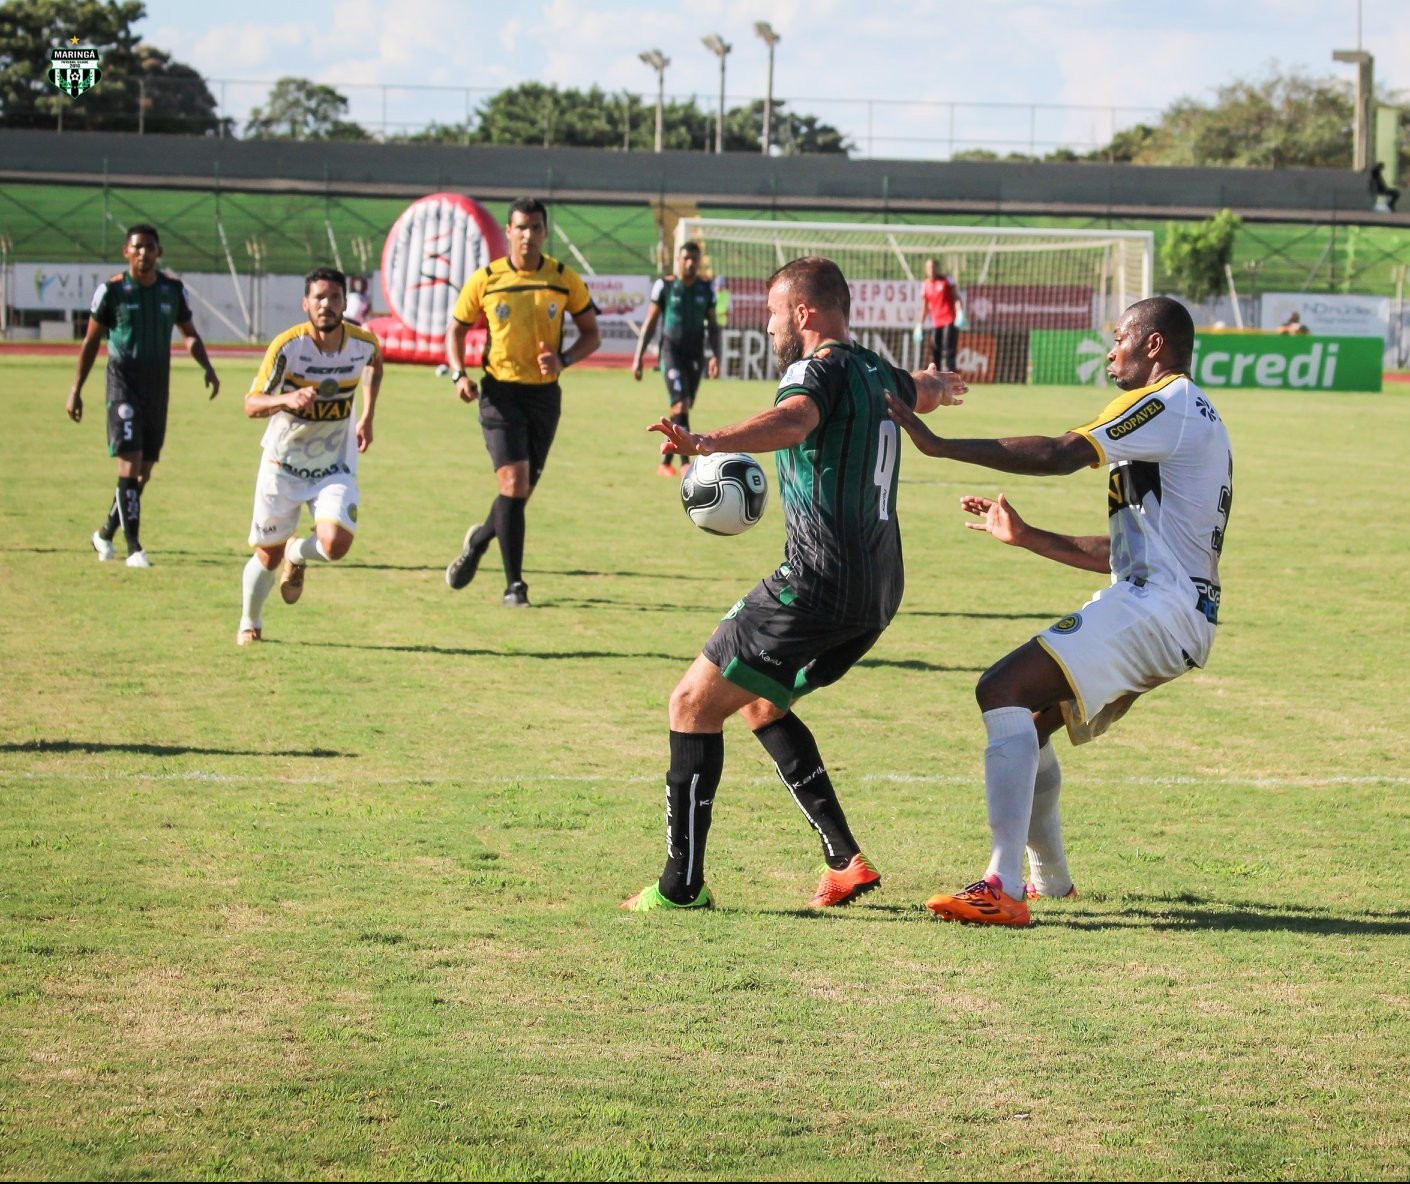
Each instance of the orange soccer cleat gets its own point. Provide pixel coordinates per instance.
(842, 887)
(982, 903)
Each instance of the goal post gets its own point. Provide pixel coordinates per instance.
(1012, 282)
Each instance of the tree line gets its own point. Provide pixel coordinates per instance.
(1285, 119)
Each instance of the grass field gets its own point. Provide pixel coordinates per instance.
(344, 906)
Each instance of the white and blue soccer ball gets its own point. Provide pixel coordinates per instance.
(725, 492)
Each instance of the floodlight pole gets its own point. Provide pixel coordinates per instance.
(719, 47)
(658, 62)
(765, 30)
(1365, 96)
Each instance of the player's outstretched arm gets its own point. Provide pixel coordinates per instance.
(87, 352)
(938, 388)
(781, 426)
(1088, 552)
(1033, 456)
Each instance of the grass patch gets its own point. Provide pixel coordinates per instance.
(344, 906)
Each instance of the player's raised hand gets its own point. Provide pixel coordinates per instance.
(926, 440)
(677, 439)
(999, 518)
(946, 388)
(74, 406)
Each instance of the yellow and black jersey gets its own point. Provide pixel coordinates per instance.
(522, 308)
(316, 441)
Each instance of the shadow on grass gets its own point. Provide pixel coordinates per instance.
(971, 616)
(458, 652)
(917, 664)
(96, 746)
(1189, 912)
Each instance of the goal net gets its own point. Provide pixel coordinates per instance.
(1012, 284)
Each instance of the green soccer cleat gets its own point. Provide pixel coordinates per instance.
(650, 898)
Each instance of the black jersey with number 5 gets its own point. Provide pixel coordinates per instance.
(838, 488)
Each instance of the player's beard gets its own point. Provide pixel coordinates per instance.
(788, 346)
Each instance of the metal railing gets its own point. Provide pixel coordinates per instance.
(881, 128)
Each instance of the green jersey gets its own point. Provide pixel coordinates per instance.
(139, 321)
(842, 553)
(686, 310)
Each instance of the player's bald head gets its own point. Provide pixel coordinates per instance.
(1171, 320)
(816, 282)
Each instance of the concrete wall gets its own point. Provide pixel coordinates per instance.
(819, 182)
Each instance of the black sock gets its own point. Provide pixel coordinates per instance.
(129, 503)
(697, 760)
(483, 534)
(110, 527)
(509, 529)
(800, 768)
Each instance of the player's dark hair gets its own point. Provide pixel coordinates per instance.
(143, 228)
(692, 246)
(329, 275)
(527, 206)
(816, 281)
(1172, 320)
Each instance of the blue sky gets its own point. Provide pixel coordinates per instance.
(905, 78)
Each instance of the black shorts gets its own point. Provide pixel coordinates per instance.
(519, 422)
(780, 652)
(682, 372)
(136, 415)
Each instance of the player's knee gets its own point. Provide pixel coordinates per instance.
(338, 546)
(993, 690)
(270, 557)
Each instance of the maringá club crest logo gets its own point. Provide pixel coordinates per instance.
(73, 70)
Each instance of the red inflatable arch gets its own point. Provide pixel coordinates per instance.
(435, 246)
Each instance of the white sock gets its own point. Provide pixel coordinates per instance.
(1010, 766)
(257, 583)
(1047, 858)
(308, 550)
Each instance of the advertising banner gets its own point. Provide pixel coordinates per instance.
(59, 287)
(1028, 306)
(1328, 315)
(1270, 362)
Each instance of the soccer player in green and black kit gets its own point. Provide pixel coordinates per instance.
(840, 583)
(685, 305)
(138, 310)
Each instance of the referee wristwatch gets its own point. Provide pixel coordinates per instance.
(457, 375)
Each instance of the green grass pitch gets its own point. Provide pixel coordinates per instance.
(344, 906)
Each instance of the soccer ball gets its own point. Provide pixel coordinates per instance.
(725, 492)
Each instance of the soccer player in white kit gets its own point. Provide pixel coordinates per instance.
(1170, 488)
(306, 386)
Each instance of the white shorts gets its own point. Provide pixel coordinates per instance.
(1119, 645)
(280, 496)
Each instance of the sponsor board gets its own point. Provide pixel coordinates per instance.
(1224, 360)
(1328, 315)
(1028, 306)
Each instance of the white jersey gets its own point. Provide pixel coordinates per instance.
(316, 443)
(1170, 488)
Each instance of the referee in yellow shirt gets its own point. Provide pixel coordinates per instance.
(524, 298)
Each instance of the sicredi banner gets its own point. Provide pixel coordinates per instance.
(1062, 358)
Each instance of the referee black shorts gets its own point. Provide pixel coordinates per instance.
(779, 651)
(519, 421)
(137, 413)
